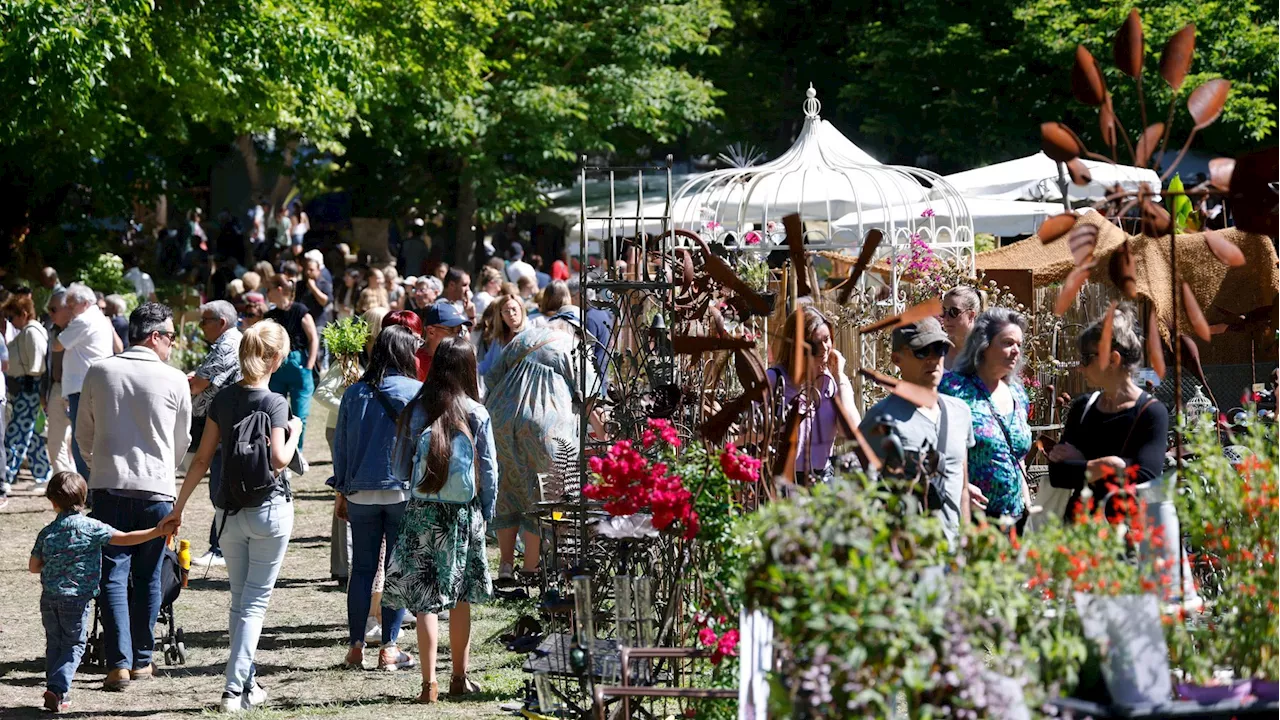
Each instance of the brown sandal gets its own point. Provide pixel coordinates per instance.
(459, 686)
(430, 693)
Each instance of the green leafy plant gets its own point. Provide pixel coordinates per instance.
(1185, 218)
(754, 271)
(346, 339)
(106, 275)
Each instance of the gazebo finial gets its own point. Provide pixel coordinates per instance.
(812, 106)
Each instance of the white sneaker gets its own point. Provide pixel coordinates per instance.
(254, 696)
(231, 703)
(209, 559)
(372, 631)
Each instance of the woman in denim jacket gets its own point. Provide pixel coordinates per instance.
(447, 456)
(370, 495)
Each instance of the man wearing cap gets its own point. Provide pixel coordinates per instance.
(945, 426)
(438, 322)
(518, 268)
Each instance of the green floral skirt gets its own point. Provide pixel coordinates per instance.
(439, 559)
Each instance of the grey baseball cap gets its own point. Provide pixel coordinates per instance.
(920, 334)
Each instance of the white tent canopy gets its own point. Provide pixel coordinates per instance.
(1002, 218)
(1035, 178)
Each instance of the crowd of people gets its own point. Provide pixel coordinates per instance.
(465, 393)
(463, 397)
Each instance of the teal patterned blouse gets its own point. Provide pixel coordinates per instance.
(993, 465)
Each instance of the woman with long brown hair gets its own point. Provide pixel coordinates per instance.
(503, 319)
(445, 451)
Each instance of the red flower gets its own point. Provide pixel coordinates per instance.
(707, 636)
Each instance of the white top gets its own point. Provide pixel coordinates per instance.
(86, 339)
(27, 351)
(378, 497)
(520, 268)
(143, 286)
(481, 300)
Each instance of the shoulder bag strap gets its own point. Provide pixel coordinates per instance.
(1125, 447)
(1008, 439)
(386, 404)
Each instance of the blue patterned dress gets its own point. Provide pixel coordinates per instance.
(533, 401)
(993, 465)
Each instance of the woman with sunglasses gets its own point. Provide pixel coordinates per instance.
(987, 377)
(1118, 432)
(824, 378)
(960, 307)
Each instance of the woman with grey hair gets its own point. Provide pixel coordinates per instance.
(987, 377)
(960, 307)
(117, 311)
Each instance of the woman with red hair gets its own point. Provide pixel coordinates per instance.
(410, 320)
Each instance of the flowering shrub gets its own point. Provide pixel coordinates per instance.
(1230, 511)
(921, 263)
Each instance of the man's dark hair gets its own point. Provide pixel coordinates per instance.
(67, 490)
(454, 275)
(291, 268)
(146, 319)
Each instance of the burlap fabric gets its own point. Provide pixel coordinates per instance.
(1235, 290)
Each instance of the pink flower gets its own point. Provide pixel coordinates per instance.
(707, 636)
(752, 238)
(726, 646)
(928, 212)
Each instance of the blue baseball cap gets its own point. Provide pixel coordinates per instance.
(443, 313)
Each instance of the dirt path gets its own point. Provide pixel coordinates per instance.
(302, 644)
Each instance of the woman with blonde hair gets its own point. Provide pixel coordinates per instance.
(503, 319)
(253, 539)
(825, 378)
(960, 307)
(369, 299)
(252, 281)
(265, 270)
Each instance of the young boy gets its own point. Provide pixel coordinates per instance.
(68, 556)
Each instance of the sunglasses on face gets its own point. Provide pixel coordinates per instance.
(952, 312)
(938, 349)
(167, 334)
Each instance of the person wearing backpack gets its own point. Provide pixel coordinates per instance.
(255, 507)
(370, 496)
(445, 452)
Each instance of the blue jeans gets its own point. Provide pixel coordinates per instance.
(253, 542)
(370, 524)
(73, 402)
(129, 616)
(296, 382)
(66, 626)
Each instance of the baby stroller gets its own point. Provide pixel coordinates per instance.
(171, 642)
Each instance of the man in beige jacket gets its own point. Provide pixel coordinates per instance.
(133, 426)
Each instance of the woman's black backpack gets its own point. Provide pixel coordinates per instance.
(247, 477)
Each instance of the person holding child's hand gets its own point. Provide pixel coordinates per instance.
(68, 556)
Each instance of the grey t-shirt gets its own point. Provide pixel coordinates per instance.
(918, 430)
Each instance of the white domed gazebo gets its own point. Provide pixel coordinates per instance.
(826, 178)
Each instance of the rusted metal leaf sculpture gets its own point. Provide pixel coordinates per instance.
(682, 344)
(1147, 144)
(1087, 84)
(1107, 125)
(1121, 270)
(1226, 251)
(784, 466)
(1155, 348)
(796, 364)
(917, 395)
(722, 273)
(1127, 47)
(869, 246)
(1194, 315)
(1104, 339)
(1220, 170)
(1191, 358)
(1056, 226)
(799, 259)
(1079, 172)
(1175, 60)
(1060, 142)
(861, 448)
(686, 267)
(1252, 196)
(751, 374)
(929, 308)
(1083, 240)
(1070, 288)
(1156, 221)
(1206, 102)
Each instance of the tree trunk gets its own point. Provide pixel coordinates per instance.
(464, 249)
